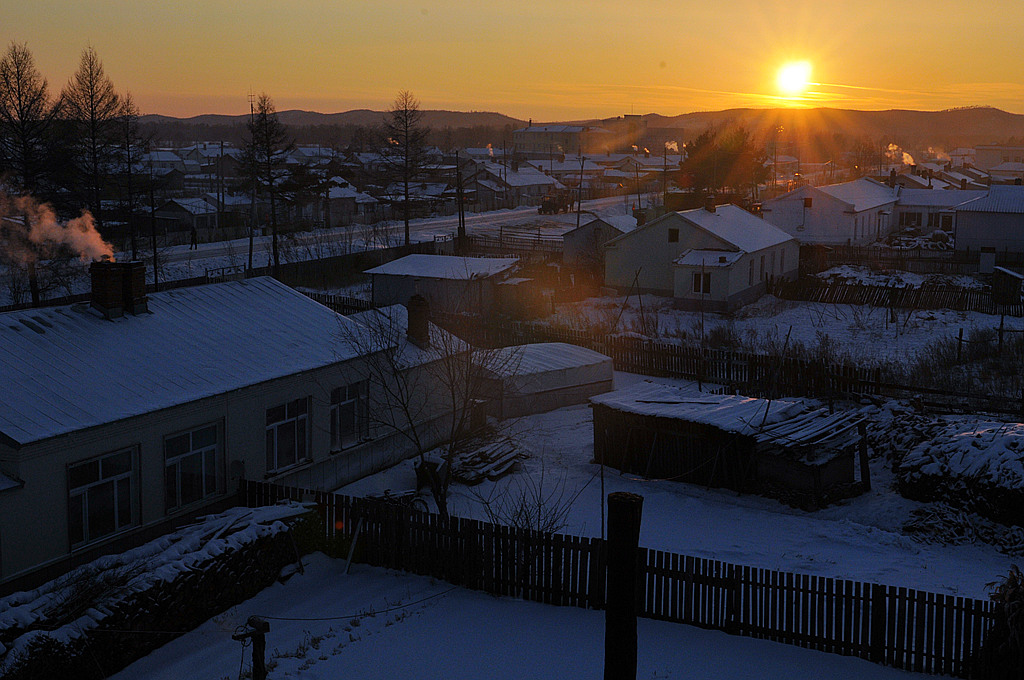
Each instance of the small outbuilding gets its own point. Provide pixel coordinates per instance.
(543, 376)
(778, 448)
(449, 283)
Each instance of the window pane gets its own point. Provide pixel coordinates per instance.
(171, 487)
(76, 525)
(116, 464)
(210, 473)
(300, 438)
(191, 478)
(124, 502)
(176, 446)
(204, 437)
(296, 408)
(271, 449)
(334, 427)
(285, 444)
(84, 473)
(275, 415)
(336, 395)
(101, 510)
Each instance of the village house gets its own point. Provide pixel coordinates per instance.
(123, 417)
(851, 213)
(930, 209)
(516, 184)
(993, 222)
(716, 257)
(583, 247)
(448, 282)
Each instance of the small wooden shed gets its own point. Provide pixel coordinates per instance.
(774, 447)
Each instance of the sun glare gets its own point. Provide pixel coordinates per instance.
(793, 78)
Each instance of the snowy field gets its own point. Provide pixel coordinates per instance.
(373, 623)
(864, 332)
(859, 539)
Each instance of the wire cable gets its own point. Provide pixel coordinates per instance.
(349, 616)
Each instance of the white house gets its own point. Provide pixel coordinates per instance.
(125, 416)
(930, 209)
(851, 213)
(716, 257)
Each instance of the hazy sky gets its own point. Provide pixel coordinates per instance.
(540, 59)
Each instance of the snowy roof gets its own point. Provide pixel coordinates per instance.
(933, 198)
(387, 327)
(735, 225)
(862, 194)
(1009, 166)
(525, 176)
(708, 258)
(196, 206)
(446, 267)
(1000, 199)
(541, 357)
(774, 421)
(68, 368)
(8, 483)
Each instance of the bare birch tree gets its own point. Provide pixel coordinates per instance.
(264, 155)
(404, 148)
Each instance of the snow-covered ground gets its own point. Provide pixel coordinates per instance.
(858, 539)
(869, 277)
(373, 623)
(862, 331)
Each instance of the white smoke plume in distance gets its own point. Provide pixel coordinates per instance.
(31, 231)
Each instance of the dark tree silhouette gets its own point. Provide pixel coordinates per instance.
(404, 148)
(26, 117)
(266, 149)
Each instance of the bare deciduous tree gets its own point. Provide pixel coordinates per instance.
(92, 110)
(263, 159)
(26, 116)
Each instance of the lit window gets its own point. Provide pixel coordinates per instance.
(192, 467)
(349, 415)
(100, 496)
(287, 434)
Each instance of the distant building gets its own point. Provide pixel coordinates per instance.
(987, 156)
(583, 247)
(715, 258)
(542, 141)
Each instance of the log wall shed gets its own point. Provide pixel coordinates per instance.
(778, 448)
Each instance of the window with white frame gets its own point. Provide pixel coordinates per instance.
(100, 493)
(193, 467)
(349, 414)
(287, 434)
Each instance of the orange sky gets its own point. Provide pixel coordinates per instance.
(542, 60)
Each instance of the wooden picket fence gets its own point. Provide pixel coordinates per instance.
(900, 297)
(901, 627)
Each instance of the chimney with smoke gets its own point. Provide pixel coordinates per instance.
(118, 287)
(419, 321)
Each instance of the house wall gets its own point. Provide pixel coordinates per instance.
(447, 295)
(827, 221)
(34, 527)
(584, 247)
(977, 230)
(738, 284)
(648, 249)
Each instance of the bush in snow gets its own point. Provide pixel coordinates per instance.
(1002, 655)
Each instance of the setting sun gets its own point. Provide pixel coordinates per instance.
(793, 78)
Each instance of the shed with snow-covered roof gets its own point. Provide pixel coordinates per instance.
(449, 283)
(133, 412)
(775, 447)
(715, 258)
(584, 246)
(851, 213)
(543, 376)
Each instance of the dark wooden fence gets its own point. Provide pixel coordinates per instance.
(901, 627)
(901, 297)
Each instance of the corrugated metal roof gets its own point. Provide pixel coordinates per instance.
(540, 357)
(1000, 199)
(445, 266)
(68, 368)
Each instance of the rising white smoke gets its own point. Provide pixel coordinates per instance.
(31, 231)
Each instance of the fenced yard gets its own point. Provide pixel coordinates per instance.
(900, 627)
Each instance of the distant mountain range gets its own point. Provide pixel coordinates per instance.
(363, 117)
(944, 129)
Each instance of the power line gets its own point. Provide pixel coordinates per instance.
(363, 613)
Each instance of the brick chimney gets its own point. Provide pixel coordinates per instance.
(709, 203)
(118, 287)
(419, 321)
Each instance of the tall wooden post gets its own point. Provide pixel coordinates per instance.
(624, 513)
(256, 629)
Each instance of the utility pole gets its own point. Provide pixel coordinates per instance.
(252, 202)
(461, 245)
(579, 192)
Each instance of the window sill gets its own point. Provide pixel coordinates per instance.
(295, 467)
(96, 542)
(346, 449)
